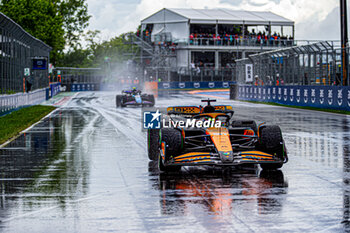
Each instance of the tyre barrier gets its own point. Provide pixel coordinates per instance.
(328, 97)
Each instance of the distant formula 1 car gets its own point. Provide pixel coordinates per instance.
(235, 142)
(134, 98)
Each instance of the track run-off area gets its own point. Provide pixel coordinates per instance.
(85, 168)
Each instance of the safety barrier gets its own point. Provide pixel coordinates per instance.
(11, 102)
(329, 97)
(55, 88)
(193, 85)
(83, 87)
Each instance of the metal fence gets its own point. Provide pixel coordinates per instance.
(313, 64)
(70, 75)
(12, 102)
(17, 51)
(198, 74)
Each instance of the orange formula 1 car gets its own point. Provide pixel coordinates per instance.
(223, 141)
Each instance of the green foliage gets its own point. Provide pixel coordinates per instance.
(95, 53)
(114, 49)
(61, 24)
(57, 22)
(13, 123)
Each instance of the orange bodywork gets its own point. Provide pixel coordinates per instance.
(193, 156)
(256, 155)
(221, 139)
(163, 149)
(213, 115)
(186, 109)
(195, 109)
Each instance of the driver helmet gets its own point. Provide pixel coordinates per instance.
(209, 109)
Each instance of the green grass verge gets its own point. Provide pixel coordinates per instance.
(12, 124)
(300, 107)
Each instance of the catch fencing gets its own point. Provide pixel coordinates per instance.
(314, 64)
(20, 50)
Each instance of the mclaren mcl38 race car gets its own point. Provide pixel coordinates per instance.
(230, 143)
(134, 97)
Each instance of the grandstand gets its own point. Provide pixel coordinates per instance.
(214, 38)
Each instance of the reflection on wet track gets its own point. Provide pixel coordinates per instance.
(85, 169)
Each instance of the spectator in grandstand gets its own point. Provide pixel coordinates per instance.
(198, 70)
(231, 38)
(191, 38)
(193, 66)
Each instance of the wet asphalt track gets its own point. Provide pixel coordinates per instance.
(85, 169)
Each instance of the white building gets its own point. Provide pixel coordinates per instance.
(216, 37)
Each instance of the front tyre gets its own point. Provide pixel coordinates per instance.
(173, 140)
(153, 144)
(271, 141)
(118, 101)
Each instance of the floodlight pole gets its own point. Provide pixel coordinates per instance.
(344, 41)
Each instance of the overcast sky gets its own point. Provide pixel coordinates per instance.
(314, 19)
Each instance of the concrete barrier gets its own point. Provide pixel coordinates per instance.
(328, 97)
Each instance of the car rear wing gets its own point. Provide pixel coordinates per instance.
(184, 110)
(194, 110)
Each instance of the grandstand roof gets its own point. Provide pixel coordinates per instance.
(213, 16)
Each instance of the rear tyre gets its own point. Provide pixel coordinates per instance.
(271, 141)
(151, 99)
(122, 101)
(118, 101)
(153, 144)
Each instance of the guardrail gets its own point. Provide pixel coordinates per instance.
(328, 97)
